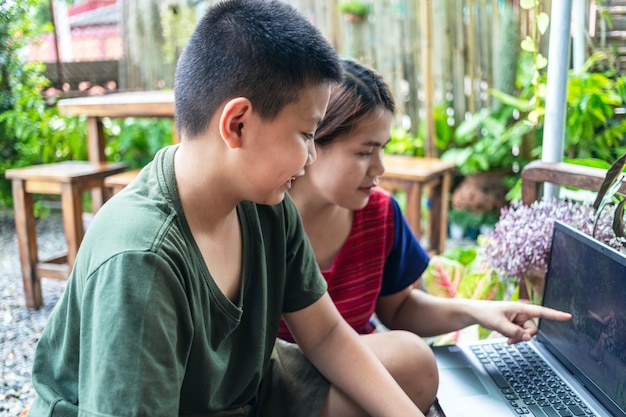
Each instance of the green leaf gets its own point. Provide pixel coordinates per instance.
(519, 103)
(588, 162)
(461, 254)
(541, 61)
(528, 45)
(543, 21)
(467, 130)
(534, 116)
(613, 174)
(442, 276)
(618, 220)
(517, 130)
(493, 126)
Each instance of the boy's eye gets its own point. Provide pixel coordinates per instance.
(309, 136)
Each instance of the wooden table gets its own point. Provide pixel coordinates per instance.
(413, 176)
(117, 105)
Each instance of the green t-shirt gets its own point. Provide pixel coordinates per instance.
(142, 328)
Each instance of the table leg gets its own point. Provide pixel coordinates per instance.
(438, 224)
(95, 149)
(95, 140)
(25, 229)
(413, 212)
(71, 200)
(445, 203)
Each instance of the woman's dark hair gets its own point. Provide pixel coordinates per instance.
(362, 92)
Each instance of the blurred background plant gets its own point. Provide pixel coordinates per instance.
(461, 272)
(404, 143)
(31, 129)
(136, 140)
(595, 128)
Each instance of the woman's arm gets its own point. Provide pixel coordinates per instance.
(427, 315)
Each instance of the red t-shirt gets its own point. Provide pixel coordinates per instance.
(380, 257)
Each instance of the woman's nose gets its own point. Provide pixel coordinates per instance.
(312, 152)
(377, 168)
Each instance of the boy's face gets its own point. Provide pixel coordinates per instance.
(278, 150)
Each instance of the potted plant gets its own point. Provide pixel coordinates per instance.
(489, 222)
(456, 224)
(519, 246)
(465, 223)
(355, 11)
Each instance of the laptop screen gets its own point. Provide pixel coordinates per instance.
(588, 279)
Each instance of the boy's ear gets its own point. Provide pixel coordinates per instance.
(233, 119)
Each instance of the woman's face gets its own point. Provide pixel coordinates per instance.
(347, 169)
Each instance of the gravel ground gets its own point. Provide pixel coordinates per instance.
(20, 327)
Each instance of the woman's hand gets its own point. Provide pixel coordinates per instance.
(515, 320)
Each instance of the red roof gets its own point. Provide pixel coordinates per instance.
(89, 6)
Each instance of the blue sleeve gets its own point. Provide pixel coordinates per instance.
(407, 259)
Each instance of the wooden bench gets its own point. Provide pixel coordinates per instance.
(116, 183)
(68, 179)
(536, 173)
(414, 176)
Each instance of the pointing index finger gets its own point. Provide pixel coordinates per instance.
(549, 313)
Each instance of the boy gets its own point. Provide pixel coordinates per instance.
(175, 298)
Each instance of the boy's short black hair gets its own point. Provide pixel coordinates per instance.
(263, 50)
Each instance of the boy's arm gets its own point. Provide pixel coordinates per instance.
(339, 354)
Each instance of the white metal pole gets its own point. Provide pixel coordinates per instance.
(556, 93)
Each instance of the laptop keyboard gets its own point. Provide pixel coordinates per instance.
(530, 385)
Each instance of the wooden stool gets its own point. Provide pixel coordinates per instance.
(69, 180)
(116, 183)
(412, 175)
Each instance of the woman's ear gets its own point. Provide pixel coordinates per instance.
(235, 114)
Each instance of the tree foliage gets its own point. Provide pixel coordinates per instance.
(31, 130)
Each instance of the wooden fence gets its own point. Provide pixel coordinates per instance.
(432, 52)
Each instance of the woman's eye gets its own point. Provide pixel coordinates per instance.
(309, 136)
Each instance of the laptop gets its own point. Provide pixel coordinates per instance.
(583, 360)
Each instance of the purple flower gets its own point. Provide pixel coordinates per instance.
(522, 236)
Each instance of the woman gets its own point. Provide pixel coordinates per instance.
(368, 254)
